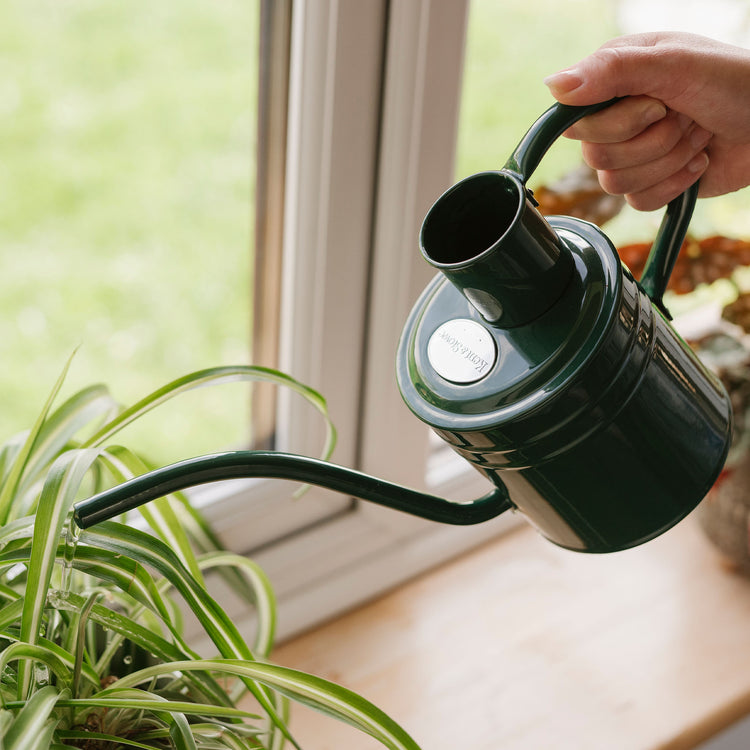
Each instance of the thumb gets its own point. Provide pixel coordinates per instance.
(614, 71)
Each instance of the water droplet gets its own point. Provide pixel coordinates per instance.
(127, 659)
(72, 534)
(41, 675)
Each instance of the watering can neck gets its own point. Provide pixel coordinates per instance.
(486, 236)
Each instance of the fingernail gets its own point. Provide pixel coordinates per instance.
(698, 163)
(564, 82)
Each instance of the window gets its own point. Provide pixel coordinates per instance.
(368, 112)
(375, 105)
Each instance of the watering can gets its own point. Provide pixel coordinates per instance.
(540, 360)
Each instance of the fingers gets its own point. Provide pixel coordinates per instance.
(643, 151)
(653, 184)
(648, 146)
(662, 160)
(660, 194)
(620, 121)
(640, 64)
(639, 146)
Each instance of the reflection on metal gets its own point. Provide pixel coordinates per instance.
(462, 351)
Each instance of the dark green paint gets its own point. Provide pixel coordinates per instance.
(273, 464)
(596, 421)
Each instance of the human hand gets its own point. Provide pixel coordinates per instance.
(685, 115)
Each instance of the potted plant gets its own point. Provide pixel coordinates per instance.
(724, 515)
(92, 651)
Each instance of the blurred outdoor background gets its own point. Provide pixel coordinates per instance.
(127, 137)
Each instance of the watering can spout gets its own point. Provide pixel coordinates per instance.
(275, 465)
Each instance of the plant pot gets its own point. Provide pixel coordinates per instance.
(724, 515)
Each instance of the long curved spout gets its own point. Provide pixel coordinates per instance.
(272, 464)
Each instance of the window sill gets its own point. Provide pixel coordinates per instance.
(523, 645)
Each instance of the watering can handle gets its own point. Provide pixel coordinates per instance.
(535, 144)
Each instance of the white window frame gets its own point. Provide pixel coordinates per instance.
(373, 113)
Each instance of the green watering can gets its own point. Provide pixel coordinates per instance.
(539, 359)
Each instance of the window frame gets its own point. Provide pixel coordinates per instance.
(374, 92)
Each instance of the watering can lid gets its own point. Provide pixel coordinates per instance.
(453, 365)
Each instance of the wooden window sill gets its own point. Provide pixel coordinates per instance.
(520, 645)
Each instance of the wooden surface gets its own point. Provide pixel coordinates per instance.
(524, 646)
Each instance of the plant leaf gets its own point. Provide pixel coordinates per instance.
(124, 464)
(148, 551)
(8, 490)
(32, 728)
(322, 695)
(58, 494)
(27, 652)
(72, 734)
(148, 640)
(205, 541)
(215, 375)
(153, 553)
(134, 699)
(130, 576)
(58, 430)
(263, 599)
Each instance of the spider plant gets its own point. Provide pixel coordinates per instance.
(92, 647)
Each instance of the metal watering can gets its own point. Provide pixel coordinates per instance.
(540, 360)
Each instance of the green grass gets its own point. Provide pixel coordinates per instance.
(126, 186)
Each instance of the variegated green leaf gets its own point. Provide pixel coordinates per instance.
(139, 700)
(150, 641)
(26, 652)
(130, 576)
(58, 494)
(124, 465)
(147, 550)
(55, 434)
(33, 727)
(205, 540)
(8, 490)
(90, 737)
(215, 376)
(322, 695)
(264, 599)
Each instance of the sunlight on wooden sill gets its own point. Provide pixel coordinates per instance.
(522, 645)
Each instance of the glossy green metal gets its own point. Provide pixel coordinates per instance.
(273, 464)
(600, 421)
(540, 360)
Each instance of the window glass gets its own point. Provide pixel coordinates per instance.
(126, 194)
(510, 49)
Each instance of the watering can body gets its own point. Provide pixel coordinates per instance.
(601, 423)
